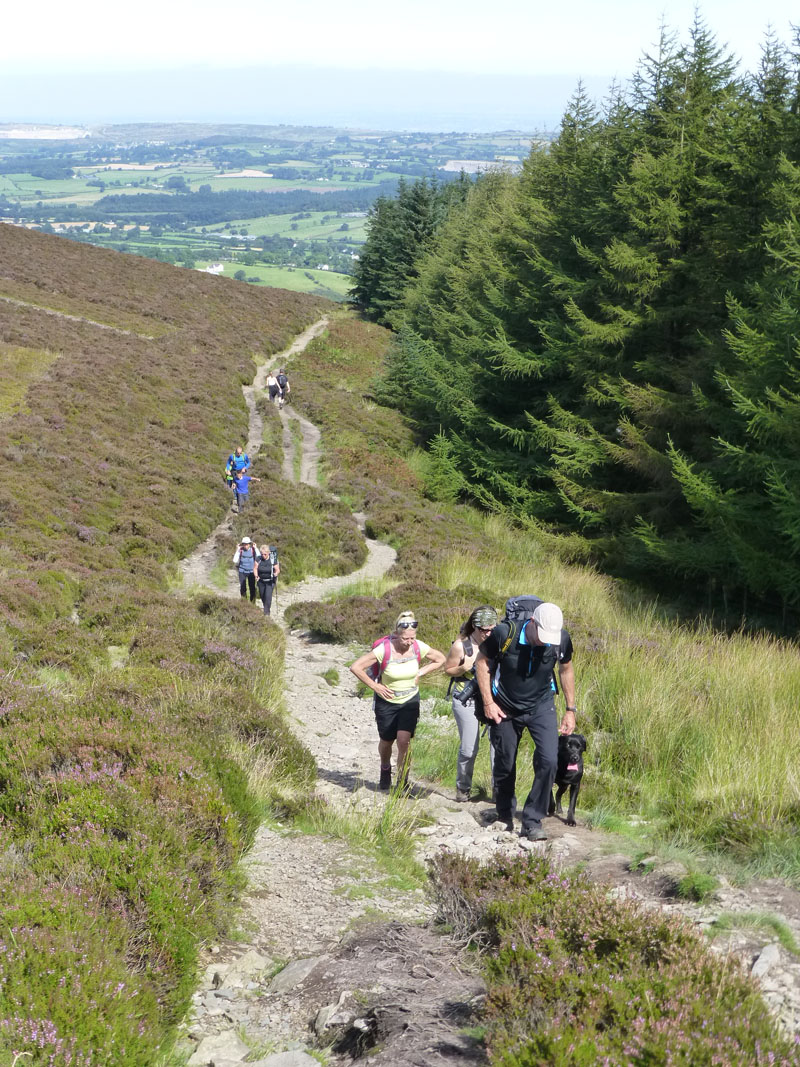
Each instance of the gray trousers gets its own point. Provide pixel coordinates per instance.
(265, 591)
(542, 724)
(469, 733)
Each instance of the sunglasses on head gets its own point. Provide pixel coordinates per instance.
(407, 625)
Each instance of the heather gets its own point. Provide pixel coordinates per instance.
(655, 694)
(126, 713)
(577, 978)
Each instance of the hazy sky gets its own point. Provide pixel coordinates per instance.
(78, 50)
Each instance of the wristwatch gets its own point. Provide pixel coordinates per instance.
(568, 708)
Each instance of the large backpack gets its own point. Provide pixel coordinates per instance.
(521, 608)
(518, 610)
(283, 381)
(376, 670)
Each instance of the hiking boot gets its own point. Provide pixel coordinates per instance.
(533, 833)
(503, 822)
(386, 778)
(462, 796)
(403, 784)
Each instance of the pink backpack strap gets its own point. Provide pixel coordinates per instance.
(416, 652)
(378, 668)
(387, 653)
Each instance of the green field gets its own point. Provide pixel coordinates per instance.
(312, 229)
(298, 279)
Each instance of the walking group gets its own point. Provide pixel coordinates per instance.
(238, 464)
(503, 678)
(278, 387)
(258, 568)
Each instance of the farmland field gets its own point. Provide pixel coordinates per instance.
(299, 280)
(194, 194)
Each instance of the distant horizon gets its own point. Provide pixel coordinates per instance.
(400, 101)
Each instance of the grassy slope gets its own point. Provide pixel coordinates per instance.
(127, 715)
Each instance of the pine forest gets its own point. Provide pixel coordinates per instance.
(605, 345)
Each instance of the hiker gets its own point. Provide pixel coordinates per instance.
(518, 693)
(273, 389)
(267, 573)
(245, 559)
(238, 460)
(392, 669)
(241, 489)
(460, 665)
(283, 385)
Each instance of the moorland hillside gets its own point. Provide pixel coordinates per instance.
(122, 805)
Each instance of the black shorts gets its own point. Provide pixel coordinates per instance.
(393, 717)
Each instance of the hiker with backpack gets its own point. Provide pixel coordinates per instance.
(238, 460)
(392, 670)
(515, 670)
(267, 571)
(283, 385)
(460, 664)
(245, 559)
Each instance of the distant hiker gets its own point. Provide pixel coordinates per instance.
(238, 460)
(459, 665)
(267, 573)
(245, 559)
(514, 669)
(272, 387)
(241, 489)
(392, 669)
(283, 385)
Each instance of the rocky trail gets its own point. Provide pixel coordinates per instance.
(334, 952)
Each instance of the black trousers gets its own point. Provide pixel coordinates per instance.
(265, 591)
(505, 737)
(246, 580)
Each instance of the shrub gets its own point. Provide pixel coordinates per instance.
(577, 978)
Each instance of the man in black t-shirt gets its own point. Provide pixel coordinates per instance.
(518, 689)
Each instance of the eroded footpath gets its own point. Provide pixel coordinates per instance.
(335, 952)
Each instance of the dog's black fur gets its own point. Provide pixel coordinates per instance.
(571, 748)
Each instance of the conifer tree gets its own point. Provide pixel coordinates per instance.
(399, 231)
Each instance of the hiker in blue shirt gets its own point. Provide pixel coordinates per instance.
(238, 460)
(241, 489)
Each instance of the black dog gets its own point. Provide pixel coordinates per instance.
(571, 748)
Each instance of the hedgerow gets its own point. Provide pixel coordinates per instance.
(123, 807)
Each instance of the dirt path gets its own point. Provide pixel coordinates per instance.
(306, 892)
(196, 569)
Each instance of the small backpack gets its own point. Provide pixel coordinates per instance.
(283, 381)
(376, 670)
(267, 565)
